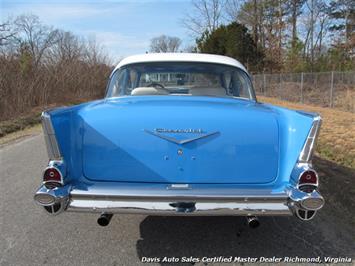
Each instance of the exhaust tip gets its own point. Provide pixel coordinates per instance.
(104, 219)
(253, 221)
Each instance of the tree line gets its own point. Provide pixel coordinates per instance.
(275, 35)
(41, 65)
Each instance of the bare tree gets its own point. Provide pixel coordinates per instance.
(68, 48)
(41, 66)
(296, 11)
(315, 23)
(232, 9)
(247, 13)
(206, 15)
(36, 36)
(6, 33)
(165, 44)
(94, 52)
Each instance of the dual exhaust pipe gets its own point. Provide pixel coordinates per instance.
(253, 221)
(105, 218)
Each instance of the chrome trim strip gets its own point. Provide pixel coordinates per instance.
(309, 146)
(159, 192)
(50, 138)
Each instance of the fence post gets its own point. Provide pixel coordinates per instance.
(301, 87)
(280, 87)
(331, 89)
(264, 84)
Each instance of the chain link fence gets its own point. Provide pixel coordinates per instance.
(326, 89)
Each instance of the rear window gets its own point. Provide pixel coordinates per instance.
(190, 79)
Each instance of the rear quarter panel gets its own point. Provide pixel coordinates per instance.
(68, 129)
(294, 128)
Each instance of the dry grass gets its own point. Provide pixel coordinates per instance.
(32, 117)
(337, 137)
(18, 135)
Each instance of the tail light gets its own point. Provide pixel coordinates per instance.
(308, 181)
(52, 177)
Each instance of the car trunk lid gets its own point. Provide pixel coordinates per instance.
(181, 139)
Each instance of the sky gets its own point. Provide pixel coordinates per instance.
(123, 27)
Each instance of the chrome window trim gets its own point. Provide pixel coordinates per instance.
(50, 138)
(309, 145)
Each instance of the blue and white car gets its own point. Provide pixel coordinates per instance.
(180, 134)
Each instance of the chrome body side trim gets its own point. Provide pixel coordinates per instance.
(50, 138)
(309, 146)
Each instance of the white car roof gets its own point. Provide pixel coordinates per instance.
(180, 57)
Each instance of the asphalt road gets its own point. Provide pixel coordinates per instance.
(31, 237)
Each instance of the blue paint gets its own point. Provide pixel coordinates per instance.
(104, 141)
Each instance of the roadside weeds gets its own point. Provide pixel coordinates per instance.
(20, 134)
(28, 123)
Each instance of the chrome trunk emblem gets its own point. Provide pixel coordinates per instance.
(189, 130)
(161, 133)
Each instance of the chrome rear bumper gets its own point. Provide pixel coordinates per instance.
(154, 200)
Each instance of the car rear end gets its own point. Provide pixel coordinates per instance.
(96, 165)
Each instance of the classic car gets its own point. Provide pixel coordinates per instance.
(180, 134)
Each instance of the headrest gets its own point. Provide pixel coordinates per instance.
(149, 91)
